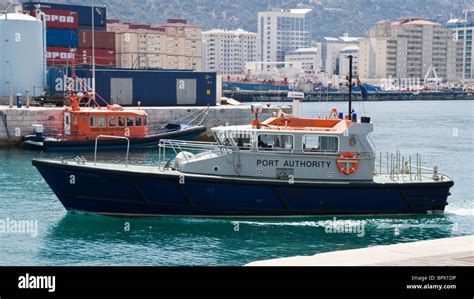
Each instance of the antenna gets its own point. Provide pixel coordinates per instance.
(349, 78)
(93, 50)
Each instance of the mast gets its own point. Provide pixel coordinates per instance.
(93, 50)
(350, 86)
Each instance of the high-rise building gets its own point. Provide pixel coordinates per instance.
(282, 31)
(227, 52)
(175, 45)
(408, 48)
(344, 60)
(331, 52)
(463, 29)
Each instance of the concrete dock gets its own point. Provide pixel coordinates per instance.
(17, 122)
(282, 96)
(457, 251)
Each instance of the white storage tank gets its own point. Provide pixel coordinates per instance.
(22, 65)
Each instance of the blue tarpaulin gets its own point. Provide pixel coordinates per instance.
(364, 90)
(365, 93)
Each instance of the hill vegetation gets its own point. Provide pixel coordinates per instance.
(329, 17)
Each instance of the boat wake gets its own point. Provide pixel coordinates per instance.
(460, 212)
(321, 223)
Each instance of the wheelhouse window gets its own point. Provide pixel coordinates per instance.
(222, 139)
(121, 121)
(112, 121)
(320, 144)
(92, 122)
(138, 121)
(275, 142)
(130, 122)
(243, 140)
(101, 122)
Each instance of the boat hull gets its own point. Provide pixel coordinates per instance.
(254, 86)
(111, 144)
(123, 192)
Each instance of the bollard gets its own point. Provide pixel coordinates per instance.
(10, 98)
(28, 99)
(18, 100)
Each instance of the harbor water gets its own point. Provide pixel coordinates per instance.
(440, 131)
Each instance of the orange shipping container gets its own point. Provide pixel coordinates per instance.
(103, 39)
(102, 57)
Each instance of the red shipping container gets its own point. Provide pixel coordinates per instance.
(61, 19)
(59, 56)
(102, 57)
(103, 39)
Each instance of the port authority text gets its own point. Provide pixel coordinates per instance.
(293, 164)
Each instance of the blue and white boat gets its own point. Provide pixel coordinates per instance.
(281, 167)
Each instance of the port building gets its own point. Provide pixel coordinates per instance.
(174, 45)
(407, 48)
(226, 52)
(463, 29)
(282, 31)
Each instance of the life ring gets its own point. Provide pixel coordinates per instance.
(346, 160)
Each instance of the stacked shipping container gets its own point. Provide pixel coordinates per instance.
(84, 13)
(65, 38)
(104, 44)
(68, 30)
(61, 19)
(61, 35)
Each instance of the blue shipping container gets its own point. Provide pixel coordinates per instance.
(84, 13)
(65, 38)
(152, 88)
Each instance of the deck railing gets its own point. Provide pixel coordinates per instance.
(111, 137)
(399, 167)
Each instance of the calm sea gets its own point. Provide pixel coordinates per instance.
(439, 130)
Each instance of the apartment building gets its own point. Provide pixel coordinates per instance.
(344, 54)
(331, 52)
(408, 48)
(175, 45)
(462, 32)
(227, 52)
(309, 58)
(282, 31)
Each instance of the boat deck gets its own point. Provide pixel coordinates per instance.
(155, 169)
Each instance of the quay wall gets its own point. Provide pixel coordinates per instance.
(281, 96)
(17, 122)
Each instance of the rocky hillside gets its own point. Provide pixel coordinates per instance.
(329, 17)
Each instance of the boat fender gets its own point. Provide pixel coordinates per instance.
(347, 163)
(173, 127)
